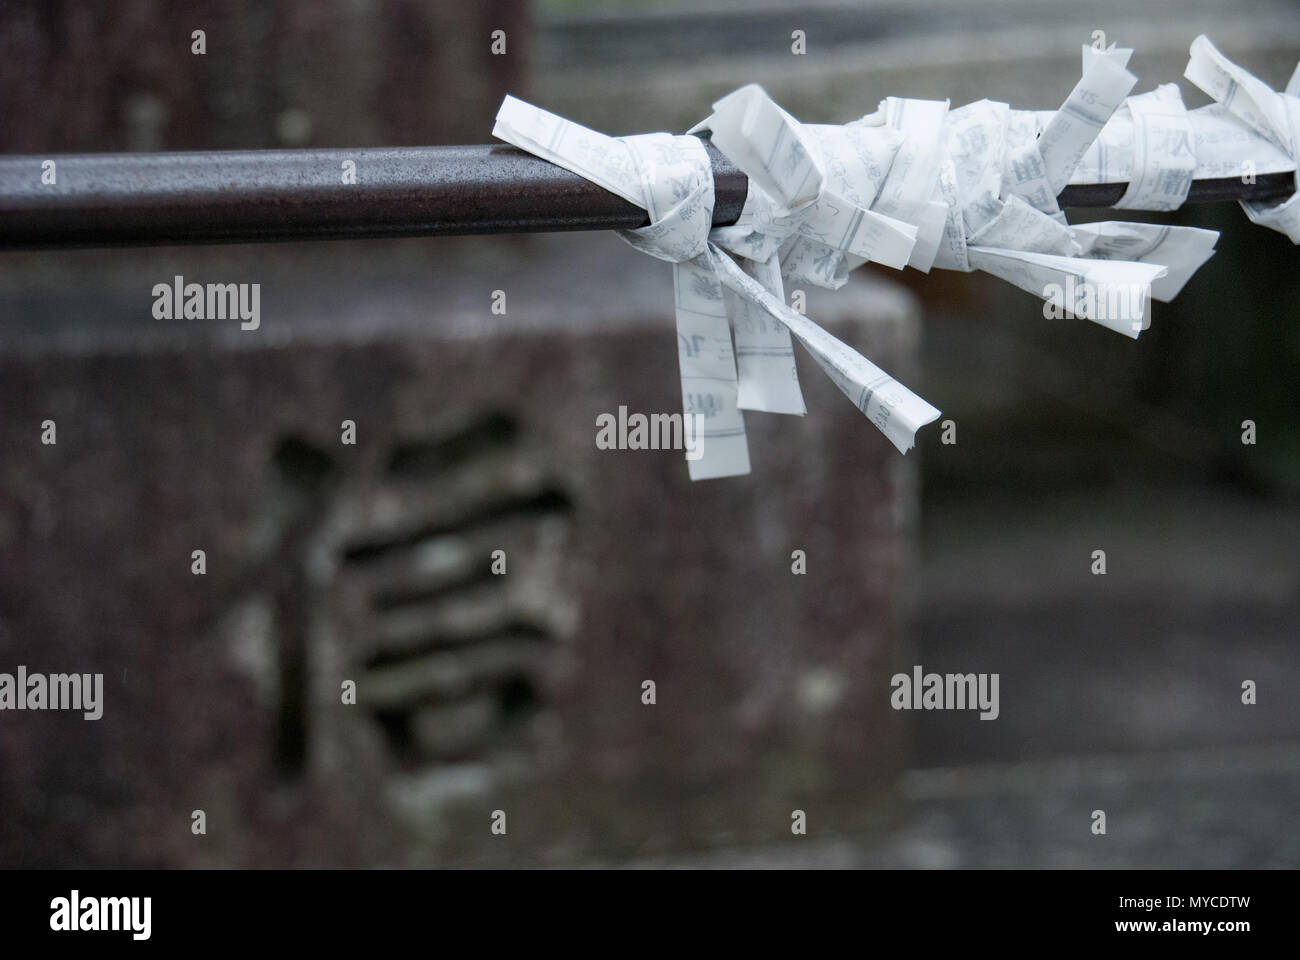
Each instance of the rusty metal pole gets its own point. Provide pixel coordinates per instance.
(136, 199)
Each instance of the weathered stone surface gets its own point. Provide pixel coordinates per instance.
(329, 562)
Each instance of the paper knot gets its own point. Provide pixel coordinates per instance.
(677, 193)
(1273, 115)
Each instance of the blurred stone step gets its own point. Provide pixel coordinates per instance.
(1201, 593)
(1191, 810)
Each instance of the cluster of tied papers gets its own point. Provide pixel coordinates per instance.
(918, 183)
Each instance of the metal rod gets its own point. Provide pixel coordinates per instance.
(1267, 188)
(137, 199)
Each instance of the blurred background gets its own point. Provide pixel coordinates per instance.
(522, 692)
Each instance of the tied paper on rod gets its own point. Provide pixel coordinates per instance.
(671, 178)
(918, 183)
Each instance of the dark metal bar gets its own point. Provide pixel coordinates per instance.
(253, 196)
(1267, 188)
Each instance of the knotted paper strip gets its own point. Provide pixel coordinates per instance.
(1274, 116)
(671, 178)
(917, 183)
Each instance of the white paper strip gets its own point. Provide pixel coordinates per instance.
(1164, 162)
(671, 178)
(894, 409)
(764, 353)
(708, 371)
(1074, 127)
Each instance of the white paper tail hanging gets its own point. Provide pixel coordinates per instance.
(670, 178)
(916, 183)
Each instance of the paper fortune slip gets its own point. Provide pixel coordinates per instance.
(918, 183)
